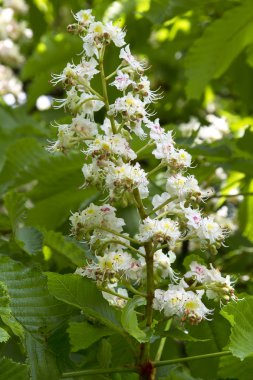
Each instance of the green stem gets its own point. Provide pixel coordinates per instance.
(162, 342)
(163, 214)
(162, 205)
(133, 290)
(150, 143)
(97, 371)
(106, 290)
(104, 86)
(144, 360)
(113, 73)
(114, 241)
(87, 87)
(162, 246)
(231, 195)
(158, 167)
(191, 358)
(139, 204)
(137, 242)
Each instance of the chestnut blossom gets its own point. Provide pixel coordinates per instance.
(130, 60)
(126, 178)
(121, 81)
(95, 217)
(162, 264)
(216, 286)
(210, 231)
(185, 305)
(165, 230)
(183, 187)
(116, 301)
(120, 263)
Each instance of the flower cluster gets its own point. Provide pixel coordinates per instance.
(119, 263)
(12, 32)
(216, 129)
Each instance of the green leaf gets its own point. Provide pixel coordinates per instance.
(65, 246)
(216, 333)
(82, 293)
(82, 335)
(14, 203)
(36, 311)
(50, 51)
(104, 354)
(229, 35)
(4, 336)
(12, 371)
(246, 213)
(241, 338)
(6, 314)
(29, 239)
(43, 362)
(129, 319)
(246, 142)
(233, 368)
(23, 162)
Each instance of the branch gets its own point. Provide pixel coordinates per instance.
(190, 358)
(97, 371)
(231, 195)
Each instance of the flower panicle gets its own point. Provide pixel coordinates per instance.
(118, 262)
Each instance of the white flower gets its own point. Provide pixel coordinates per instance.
(193, 217)
(84, 127)
(217, 287)
(186, 305)
(122, 81)
(210, 230)
(116, 34)
(84, 17)
(165, 230)
(10, 54)
(194, 310)
(162, 264)
(188, 128)
(18, 5)
(94, 38)
(72, 100)
(10, 84)
(157, 133)
(87, 68)
(94, 217)
(113, 300)
(133, 112)
(84, 103)
(224, 286)
(67, 76)
(109, 145)
(126, 178)
(197, 271)
(164, 146)
(126, 54)
(93, 174)
(180, 159)
(183, 187)
(65, 139)
(143, 89)
(172, 207)
(88, 105)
